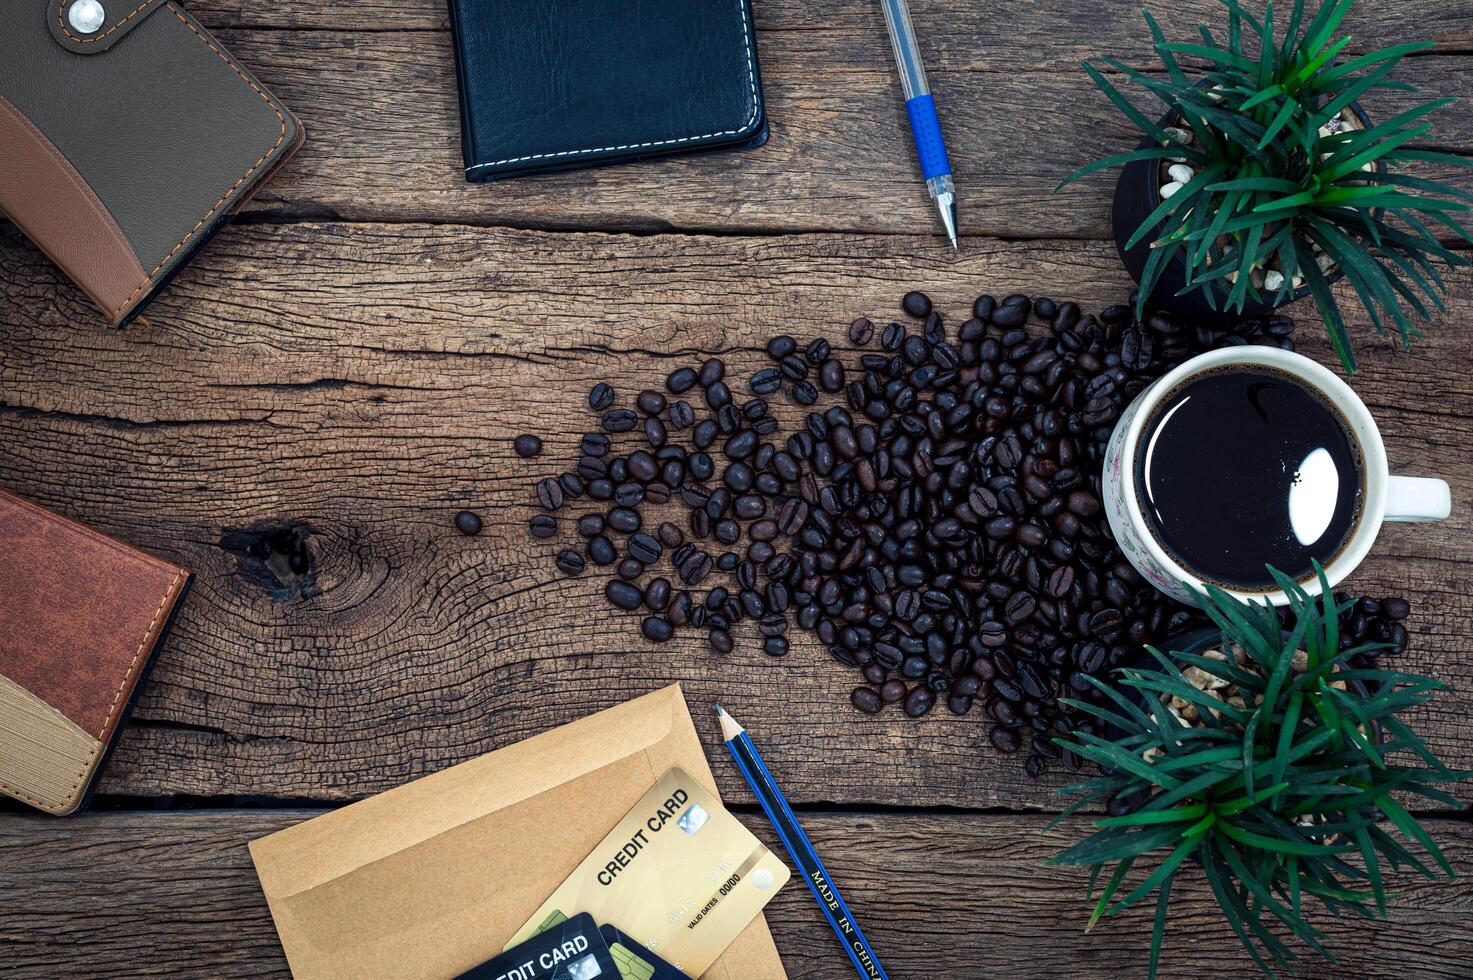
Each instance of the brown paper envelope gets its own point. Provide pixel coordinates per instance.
(432, 878)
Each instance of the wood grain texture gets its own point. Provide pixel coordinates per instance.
(174, 894)
(365, 381)
(352, 360)
(383, 141)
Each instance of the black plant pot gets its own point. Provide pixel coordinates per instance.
(1137, 194)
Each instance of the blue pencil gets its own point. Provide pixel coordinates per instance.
(799, 847)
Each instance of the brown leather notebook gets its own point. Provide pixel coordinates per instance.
(128, 137)
(81, 617)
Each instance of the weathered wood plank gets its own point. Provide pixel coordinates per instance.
(365, 381)
(174, 894)
(975, 34)
(384, 144)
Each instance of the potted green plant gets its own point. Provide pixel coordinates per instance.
(1268, 764)
(1265, 181)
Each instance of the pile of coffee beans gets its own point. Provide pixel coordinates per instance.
(938, 526)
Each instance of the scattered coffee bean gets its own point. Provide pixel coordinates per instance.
(600, 397)
(622, 594)
(601, 551)
(543, 526)
(619, 420)
(650, 402)
(656, 629)
(527, 445)
(939, 529)
(467, 523)
(570, 562)
(549, 494)
(624, 519)
(643, 547)
(866, 700)
(916, 304)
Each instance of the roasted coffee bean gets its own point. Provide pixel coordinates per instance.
(624, 519)
(1397, 609)
(695, 568)
(1105, 621)
(600, 396)
(741, 445)
(622, 594)
(570, 562)
(720, 641)
(892, 337)
(831, 376)
(650, 402)
(527, 445)
(1005, 739)
(645, 548)
(775, 646)
(670, 535)
(916, 304)
(681, 415)
(630, 569)
(866, 699)
(572, 486)
(781, 346)
(680, 381)
(601, 551)
(656, 629)
(549, 494)
(712, 371)
(765, 382)
(861, 331)
(804, 393)
(657, 594)
(619, 420)
(466, 523)
(817, 351)
(793, 367)
(543, 526)
(919, 701)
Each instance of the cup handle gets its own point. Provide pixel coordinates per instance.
(1416, 498)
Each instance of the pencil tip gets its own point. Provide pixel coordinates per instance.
(721, 711)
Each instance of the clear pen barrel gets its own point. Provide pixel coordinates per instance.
(907, 54)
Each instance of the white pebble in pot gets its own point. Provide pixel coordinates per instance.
(1181, 173)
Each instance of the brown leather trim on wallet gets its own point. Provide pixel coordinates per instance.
(49, 201)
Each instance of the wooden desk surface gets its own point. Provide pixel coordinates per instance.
(353, 356)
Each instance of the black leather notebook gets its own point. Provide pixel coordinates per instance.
(563, 84)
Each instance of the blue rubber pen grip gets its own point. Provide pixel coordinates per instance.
(926, 129)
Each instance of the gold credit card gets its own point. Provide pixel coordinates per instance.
(679, 874)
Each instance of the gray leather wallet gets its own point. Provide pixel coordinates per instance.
(128, 136)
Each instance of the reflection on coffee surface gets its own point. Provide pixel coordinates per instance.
(1239, 469)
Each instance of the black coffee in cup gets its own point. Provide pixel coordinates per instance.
(1240, 468)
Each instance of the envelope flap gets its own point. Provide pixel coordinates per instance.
(313, 853)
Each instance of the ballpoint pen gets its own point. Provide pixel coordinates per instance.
(924, 125)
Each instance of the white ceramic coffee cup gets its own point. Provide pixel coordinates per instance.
(1385, 497)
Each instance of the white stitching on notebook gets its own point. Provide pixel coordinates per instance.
(751, 85)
